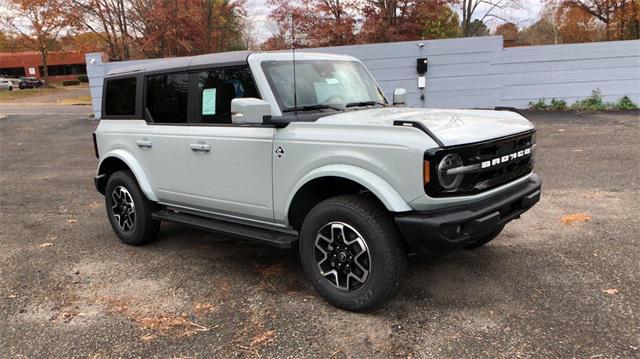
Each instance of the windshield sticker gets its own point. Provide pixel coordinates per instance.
(209, 101)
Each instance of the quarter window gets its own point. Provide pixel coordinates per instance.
(121, 97)
(216, 89)
(167, 97)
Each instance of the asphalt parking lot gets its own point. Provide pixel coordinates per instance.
(544, 288)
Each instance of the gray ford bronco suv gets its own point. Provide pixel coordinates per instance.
(223, 143)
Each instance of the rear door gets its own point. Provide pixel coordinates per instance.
(164, 145)
(229, 166)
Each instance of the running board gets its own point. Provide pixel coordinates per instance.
(269, 237)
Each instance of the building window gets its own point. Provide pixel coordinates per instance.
(65, 70)
(12, 72)
(121, 97)
(167, 96)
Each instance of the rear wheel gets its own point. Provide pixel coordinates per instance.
(129, 210)
(352, 252)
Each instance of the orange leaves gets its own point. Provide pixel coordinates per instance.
(569, 219)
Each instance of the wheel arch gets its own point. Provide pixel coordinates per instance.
(334, 180)
(117, 160)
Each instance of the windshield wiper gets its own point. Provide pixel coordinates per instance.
(365, 103)
(312, 107)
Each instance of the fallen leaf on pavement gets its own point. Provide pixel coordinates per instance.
(575, 218)
(610, 291)
(44, 245)
(263, 338)
(147, 338)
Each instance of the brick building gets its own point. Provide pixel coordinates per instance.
(63, 65)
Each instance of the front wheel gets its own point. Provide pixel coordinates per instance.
(353, 253)
(129, 210)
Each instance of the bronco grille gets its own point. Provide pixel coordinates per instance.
(487, 164)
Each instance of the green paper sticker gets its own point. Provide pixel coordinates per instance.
(209, 101)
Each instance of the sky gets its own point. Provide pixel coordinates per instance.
(526, 13)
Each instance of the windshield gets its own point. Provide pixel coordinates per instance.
(322, 84)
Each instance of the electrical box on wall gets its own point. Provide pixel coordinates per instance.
(422, 82)
(422, 65)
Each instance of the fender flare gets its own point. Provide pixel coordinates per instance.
(135, 167)
(369, 180)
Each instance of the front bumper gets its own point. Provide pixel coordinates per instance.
(442, 231)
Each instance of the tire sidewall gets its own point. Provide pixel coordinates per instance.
(124, 179)
(377, 279)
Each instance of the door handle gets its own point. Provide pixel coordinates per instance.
(143, 143)
(200, 147)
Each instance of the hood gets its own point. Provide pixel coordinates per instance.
(451, 127)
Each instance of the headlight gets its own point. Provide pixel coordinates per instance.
(451, 160)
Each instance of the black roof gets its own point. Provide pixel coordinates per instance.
(181, 63)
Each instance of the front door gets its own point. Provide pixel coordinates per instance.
(229, 166)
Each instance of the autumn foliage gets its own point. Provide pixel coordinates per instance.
(320, 23)
(130, 29)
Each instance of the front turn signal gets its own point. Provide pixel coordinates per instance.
(426, 174)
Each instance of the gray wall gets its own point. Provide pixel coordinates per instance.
(479, 72)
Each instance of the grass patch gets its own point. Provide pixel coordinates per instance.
(80, 100)
(16, 94)
(625, 104)
(591, 103)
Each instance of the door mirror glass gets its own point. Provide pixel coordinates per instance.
(399, 97)
(249, 110)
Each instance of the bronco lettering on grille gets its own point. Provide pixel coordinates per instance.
(506, 158)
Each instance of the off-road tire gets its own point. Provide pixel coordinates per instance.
(387, 251)
(144, 228)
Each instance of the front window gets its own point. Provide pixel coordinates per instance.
(322, 84)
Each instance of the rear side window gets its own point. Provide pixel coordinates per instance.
(121, 97)
(167, 97)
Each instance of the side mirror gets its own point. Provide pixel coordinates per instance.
(249, 110)
(399, 96)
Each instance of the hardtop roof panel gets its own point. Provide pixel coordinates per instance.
(181, 63)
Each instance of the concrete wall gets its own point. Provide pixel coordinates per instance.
(479, 73)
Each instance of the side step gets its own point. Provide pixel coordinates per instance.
(269, 237)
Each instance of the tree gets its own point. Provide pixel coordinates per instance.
(576, 25)
(436, 20)
(386, 20)
(316, 23)
(108, 19)
(177, 27)
(83, 42)
(401, 20)
(617, 16)
(508, 30)
(542, 32)
(477, 28)
(475, 13)
(39, 23)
